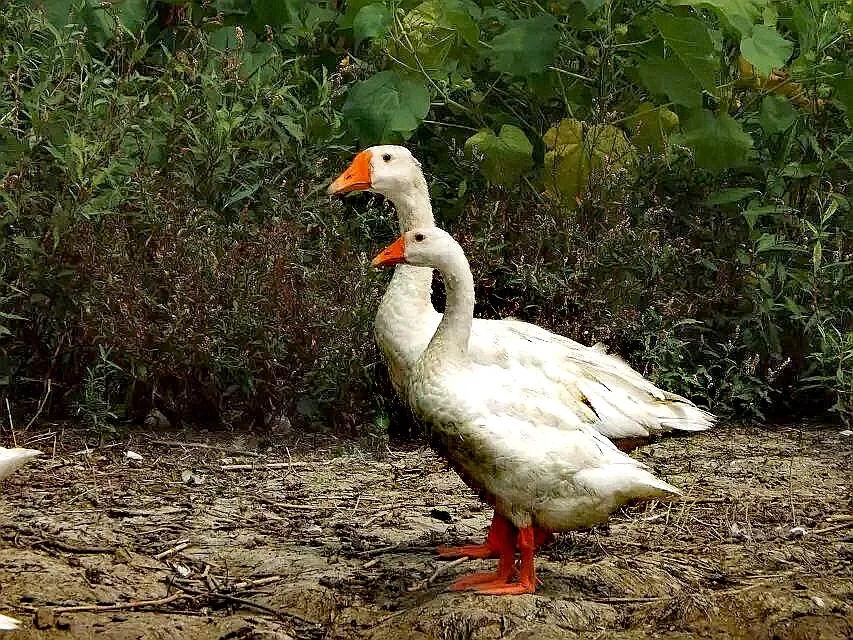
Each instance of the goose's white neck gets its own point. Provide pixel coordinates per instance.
(450, 341)
(414, 209)
(406, 315)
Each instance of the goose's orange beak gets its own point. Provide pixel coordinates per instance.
(355, 178)
(392, 254)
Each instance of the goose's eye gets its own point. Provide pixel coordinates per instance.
(386, 157)
(419, 237)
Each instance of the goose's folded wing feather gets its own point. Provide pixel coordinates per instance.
(598, 387)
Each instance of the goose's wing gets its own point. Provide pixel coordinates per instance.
(613, 395)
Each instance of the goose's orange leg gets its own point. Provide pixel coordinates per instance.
(542, 537)
(526, 571)
(504, 541)
(499, 529)
(490, 549)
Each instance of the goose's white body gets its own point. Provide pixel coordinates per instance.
(540, 468)
(531, 457)
(591, 386)
(13, 459)
(536, 465)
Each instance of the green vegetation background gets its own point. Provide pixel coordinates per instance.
(669, 178)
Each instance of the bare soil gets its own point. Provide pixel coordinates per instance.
(181, 544)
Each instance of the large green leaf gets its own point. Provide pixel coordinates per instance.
(353, 7)
(650, 126)
(718, 143)
(371, 21)
(777, 114)
(503, 157)
(807, 24)
(276, 13)
(262, 64)
(315, 16)
(574, 152)
(740, 15)
(230, 7)
(385, 108)
(842, 95)
(258, 62)
(58, 11)
(766, 49)
(669, 77)
(226, 38)
(567, 166)
(592, 5)
(730, 195)
(437, 36)
(526, 47)
(132, 13)
(99, 18)
(690, 41)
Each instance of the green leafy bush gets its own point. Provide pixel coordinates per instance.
(669, 178)
(158, 248)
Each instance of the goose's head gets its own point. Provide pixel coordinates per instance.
(387, 169)
(424, 247)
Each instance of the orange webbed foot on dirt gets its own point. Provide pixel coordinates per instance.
(526, 571)
(480, 551)
(504, 588)
(477, 581)
(501, 532)
(500, 544)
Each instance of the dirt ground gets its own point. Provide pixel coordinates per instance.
(317, 538)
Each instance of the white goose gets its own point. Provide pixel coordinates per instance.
(8, 623)
(593, 386)
(10, 461)
(13, 459)
(541, 468)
